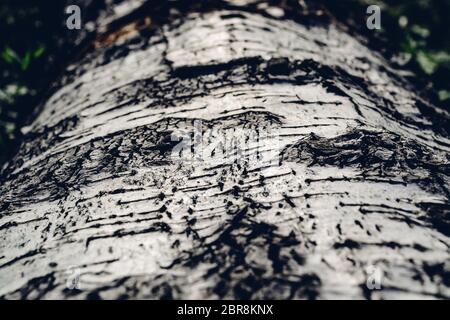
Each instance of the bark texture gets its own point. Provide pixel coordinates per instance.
(353, 173)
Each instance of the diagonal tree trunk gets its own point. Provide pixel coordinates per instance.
(238, 151)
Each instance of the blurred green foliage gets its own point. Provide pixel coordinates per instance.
(417, 30)
(28, 45)
(422, 32)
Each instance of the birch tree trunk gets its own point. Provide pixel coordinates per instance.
(237, 151)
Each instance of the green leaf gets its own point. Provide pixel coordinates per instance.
(444, 95)
(7, 58)
(409, 45)
(441, 57)
(25, 63)
(21, 90)
(39, 51)
(421, 31)
(6, 96)
(10, 127)
(426, 62)
(9, 55)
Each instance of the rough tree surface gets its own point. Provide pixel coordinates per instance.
(353, 173)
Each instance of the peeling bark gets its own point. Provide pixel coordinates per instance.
(355, 174)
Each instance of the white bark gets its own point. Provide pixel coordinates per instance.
(361, 180)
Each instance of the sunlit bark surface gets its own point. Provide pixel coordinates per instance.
(348, 170)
